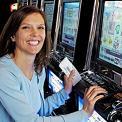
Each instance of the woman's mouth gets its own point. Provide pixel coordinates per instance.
(33, 42)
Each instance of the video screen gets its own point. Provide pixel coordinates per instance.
(55, 83)
(49, 11)
(95, 117)
(111, 37)
(70, 23)
(24, 2)
(34, 3)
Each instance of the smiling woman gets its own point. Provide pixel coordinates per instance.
(24, 53)
(30, 36)
(24, 30)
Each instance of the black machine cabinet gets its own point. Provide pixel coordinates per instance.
(105, 67)
(73, 36)
(109, 107)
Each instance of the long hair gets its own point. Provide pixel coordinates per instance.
(12, 26)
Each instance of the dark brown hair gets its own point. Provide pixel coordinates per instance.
(11, 27)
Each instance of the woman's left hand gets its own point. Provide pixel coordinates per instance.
(91, 95)
(69, 82)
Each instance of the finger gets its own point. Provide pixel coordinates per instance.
(65, 78)
(91, 88)
(71, 76)
(86, 90)
(94, 91)
(72, 73)
(98, 97)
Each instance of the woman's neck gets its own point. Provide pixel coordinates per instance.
(26, 64)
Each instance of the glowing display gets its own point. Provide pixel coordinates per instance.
(111, 38)
(70, 23)
(49, 10)
(55, 83)
(13, 7)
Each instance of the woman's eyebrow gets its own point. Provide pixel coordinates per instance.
(31, 24)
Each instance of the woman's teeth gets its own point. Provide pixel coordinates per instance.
(33, 43)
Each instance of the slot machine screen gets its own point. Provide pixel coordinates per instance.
(24, 2)
(34, 2)
(68, 29)
(55, 83)
(49, 11)
(70, 23)
(110, 36)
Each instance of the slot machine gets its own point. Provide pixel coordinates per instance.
(105, 66)
(73, 34)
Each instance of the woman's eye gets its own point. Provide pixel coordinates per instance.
(41, 27)
(25, 27)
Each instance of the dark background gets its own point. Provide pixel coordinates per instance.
(5, 11)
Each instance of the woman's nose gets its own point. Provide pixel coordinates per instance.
(34, 31)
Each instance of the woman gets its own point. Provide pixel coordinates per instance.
(24, 52)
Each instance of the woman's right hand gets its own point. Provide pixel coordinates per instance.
(69, 82)
(91, 95)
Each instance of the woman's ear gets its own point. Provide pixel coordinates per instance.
(13, 38)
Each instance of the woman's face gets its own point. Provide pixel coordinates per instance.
(30, 36)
